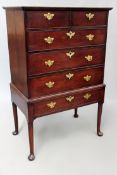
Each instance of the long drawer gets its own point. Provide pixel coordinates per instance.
(48, 40)
(64, 81)
(64, 59)
(68, 101)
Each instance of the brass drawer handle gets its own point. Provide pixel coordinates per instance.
(87, 77)
(50, 84)
(70, 54)
(70, 34)
(90, 16)
(89, 58)
(51, 105)
(49, 16)
(87, 96)
(49, 63)
(70, 98)
(90, 37)
(49, 40)
(69, 76)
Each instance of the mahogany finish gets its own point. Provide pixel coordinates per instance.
(100, 18)
(38, 87)
(36, 61)
(15, 118)
(61, 40)
(100, 105)
(36, 19)
(57, 58)
(16, 41)
(62, 104)
(76, 113)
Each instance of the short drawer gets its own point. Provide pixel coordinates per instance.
(69, 101)
(47, 19)
(38, 41)
(89, 18)
(64, 59)
(64, 81)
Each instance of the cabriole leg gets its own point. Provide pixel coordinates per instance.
(31, 141)
(100, 106)
(76, 113)
(15, 118)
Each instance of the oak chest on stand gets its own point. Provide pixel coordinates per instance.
(57, 58)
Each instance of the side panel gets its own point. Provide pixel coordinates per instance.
(17, 49)
(19, 99)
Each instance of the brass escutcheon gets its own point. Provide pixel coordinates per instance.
(49, 63)
(69, 76)
(89, 57)
(49, 40)
(70, 54)
(51, 105)
(49, 16)
(90, 37)
(90, 16)
(87, 96)
(70, 34)
(50, 84)
(70, 98)
(87, 77)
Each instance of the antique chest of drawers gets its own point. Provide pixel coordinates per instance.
(57, 58)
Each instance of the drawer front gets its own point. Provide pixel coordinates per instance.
(64, 81)
(69, 101)
(89, 18)
(49, 19)
(64, 59)
(64, 39)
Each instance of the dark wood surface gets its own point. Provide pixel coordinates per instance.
(36, 19)
(17, 49)
(62, 104)
(36, 40)
(38, 87)
(27, 29)
(100, 106)
(36, 61)
(79, 18)
(19, 99)
(36, 8)
(76, 113)
(15, 118)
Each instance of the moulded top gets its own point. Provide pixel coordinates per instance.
(57, 8)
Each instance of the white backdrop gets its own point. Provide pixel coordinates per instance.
(94, 156)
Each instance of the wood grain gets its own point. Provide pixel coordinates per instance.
(28, 50)
(17, 49)
(36, 62)
(37, 86)
(36, 40)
